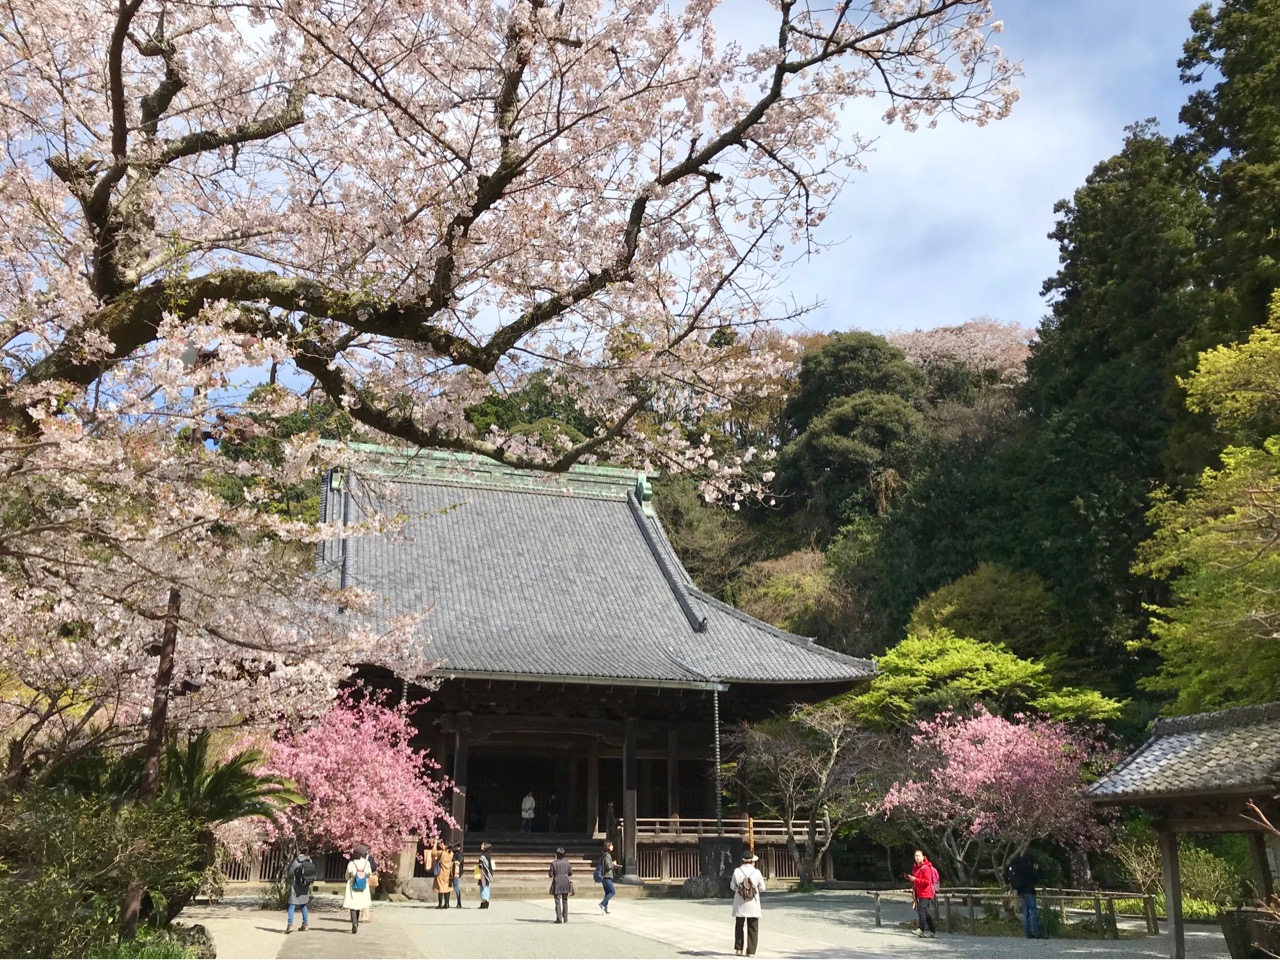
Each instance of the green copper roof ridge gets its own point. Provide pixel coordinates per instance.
(487, 472)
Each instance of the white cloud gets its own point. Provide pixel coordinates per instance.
(951, 223)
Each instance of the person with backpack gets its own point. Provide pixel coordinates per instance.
(604, 876)
(484, 873)
(1022, 873)
(924, 890)
(357, 895)
(362, 850)
(301, 874)
(748, 884)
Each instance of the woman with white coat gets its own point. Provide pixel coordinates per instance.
(358, 896)
(748, 884)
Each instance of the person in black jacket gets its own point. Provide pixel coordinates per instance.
(1022, 873)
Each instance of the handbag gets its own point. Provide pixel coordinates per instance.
(373, 880)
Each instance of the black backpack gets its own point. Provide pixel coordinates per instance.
(304, 874)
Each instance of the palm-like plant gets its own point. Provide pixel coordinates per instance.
(211, 793)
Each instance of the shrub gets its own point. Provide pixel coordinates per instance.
(67, 862)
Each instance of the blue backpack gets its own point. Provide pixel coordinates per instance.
(360, 881)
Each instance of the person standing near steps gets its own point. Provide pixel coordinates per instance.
(748, 884)
(560, 871)
(527, 807)
(485, 866)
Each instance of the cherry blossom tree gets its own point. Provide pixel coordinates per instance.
(415, 204)
(983, 347)
(363, 781)
(989, 787)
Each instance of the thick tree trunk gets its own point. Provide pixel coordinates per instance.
(153, 750)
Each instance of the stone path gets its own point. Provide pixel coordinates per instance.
(816, 926)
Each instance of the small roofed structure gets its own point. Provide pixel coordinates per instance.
(1199, 774)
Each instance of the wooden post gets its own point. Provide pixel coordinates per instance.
(1113, 929)
(664, 863)
(973, 919)
(459, 808)
(1262, 878)
(673, 773)
(630, 771)
(593, 788)
(876, 900)
(1173, 893)
(1149, 907)
(1097, 914)
(951, 924)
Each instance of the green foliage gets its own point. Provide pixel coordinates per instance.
(1234, 137)
(158, 947)
(66, 861)
(844, 365)
(535, 408)
(999, 606)
(1218, 545)
(936, 671)
(713, 542)
(799, 593)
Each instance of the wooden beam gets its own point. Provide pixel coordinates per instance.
(1172, 893)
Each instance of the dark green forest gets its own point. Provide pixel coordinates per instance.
(1058, 491)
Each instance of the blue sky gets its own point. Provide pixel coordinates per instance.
(949, 224)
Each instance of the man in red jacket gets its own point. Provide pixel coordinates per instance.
(924, 888)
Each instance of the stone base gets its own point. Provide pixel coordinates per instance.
(706, 888)
(418, 888)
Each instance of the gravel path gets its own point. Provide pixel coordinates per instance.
(820, 925)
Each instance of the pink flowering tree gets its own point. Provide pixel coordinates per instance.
(363, 781)
(989, 787)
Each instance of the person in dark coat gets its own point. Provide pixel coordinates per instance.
(299, 888)
(456, 875)
(561, 886)
(485, 865)
(1022, 873)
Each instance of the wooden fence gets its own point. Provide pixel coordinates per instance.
(958, 905)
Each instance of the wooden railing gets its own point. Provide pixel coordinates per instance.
(953, 901)
(766, 831)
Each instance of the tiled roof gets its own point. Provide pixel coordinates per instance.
(557, 576)
(1231, 751)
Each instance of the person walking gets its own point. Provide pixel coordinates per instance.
(301, 874)
(748, 884)
(553, 813)
(561, 886)
(457, 873)
(443, 883)
(485, 867)
(1022, 874)
(924, 890)
(527, 807)
(605, 870)
(356, 896)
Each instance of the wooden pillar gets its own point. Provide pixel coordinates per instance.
(459, 810)
(1262, 877)
(630, 776)
(593, 788)
(1172, 893)
(644, 793)
(571, 797)
(673, 773)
